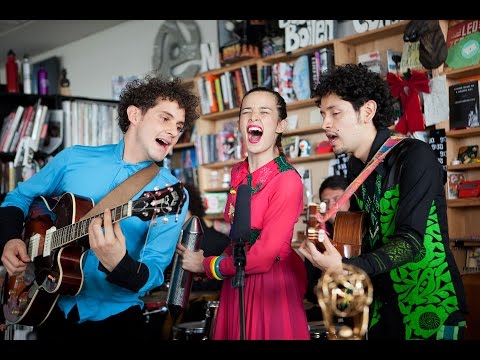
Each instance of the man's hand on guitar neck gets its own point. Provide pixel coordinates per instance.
(15, 257)
(328, 259)
(108, 244)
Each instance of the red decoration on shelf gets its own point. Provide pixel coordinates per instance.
(412, 119)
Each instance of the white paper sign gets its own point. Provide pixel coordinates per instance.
(435, 104)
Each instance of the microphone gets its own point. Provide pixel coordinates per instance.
(181, 280)
(240, 233)
(241, 222)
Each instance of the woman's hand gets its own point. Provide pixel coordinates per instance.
(191, 260)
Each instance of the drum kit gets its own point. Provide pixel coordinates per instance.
(198, 330)
(160, 322)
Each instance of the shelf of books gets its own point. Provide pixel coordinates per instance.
(293, 74)
(34, 128)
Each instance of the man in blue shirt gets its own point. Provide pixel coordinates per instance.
(125, 259)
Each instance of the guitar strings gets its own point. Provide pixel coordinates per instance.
(152, 223)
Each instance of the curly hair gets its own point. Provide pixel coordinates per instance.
(357, 85)
(281, 108)
(145, 94)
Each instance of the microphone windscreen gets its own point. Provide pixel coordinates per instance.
(241, 221)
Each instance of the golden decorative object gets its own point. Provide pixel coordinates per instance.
(345, 293)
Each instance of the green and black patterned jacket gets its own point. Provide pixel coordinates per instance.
(418, 291)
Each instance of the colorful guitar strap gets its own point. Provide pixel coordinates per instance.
(355, 184)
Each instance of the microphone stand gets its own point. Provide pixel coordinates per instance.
(238, 280)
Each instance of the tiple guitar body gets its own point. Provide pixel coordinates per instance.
(29, 298)
(347, 234)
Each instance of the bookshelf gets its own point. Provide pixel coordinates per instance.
(98, 134)
(345, 50)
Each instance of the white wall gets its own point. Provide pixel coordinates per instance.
(125, 49)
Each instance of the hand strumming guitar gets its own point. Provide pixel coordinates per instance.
(330, 258)
(108, 246)
(15, 257)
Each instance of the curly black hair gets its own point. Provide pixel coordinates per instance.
(357, 85)
(145, 93)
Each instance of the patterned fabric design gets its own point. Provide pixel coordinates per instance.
(424, 288)
(370, 206)
(257, 180)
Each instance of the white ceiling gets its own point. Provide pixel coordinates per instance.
(33, 37)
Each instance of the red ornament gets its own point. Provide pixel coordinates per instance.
(412, 119)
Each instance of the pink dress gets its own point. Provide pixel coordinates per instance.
(275, 276)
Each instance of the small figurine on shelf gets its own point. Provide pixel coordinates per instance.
(304, 147)
(64, 84)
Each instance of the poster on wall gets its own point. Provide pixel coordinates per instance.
(176, 49)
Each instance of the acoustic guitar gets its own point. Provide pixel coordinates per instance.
(347, 232)
(56, 241)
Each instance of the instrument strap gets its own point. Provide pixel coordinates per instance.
(355, 184)
(125, 190)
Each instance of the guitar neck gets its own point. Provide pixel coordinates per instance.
(70, 233)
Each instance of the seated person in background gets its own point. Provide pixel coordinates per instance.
(330, 191)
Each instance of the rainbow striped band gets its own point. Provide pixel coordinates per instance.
(215, 267)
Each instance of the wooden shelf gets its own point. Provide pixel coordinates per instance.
(232, 66)
(469, 166)
(372, 35)
(316, 157)
(221, 115)
(284, 57)
(184, 145)
(297, 160)
(300, 104)
(312, 129)
(219, 165)
(467, 243)
(463, 133)
(467, 202)
(214, 216)
(216, 189)
(465, 72)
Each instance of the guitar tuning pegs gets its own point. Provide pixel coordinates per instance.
(156, 188)
(323, 208)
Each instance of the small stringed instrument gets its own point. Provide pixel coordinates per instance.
(347, 232)
(56, 241)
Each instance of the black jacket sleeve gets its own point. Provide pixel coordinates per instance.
(129, 274)
(11, 224)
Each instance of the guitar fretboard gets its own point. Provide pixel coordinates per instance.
(73, 232)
